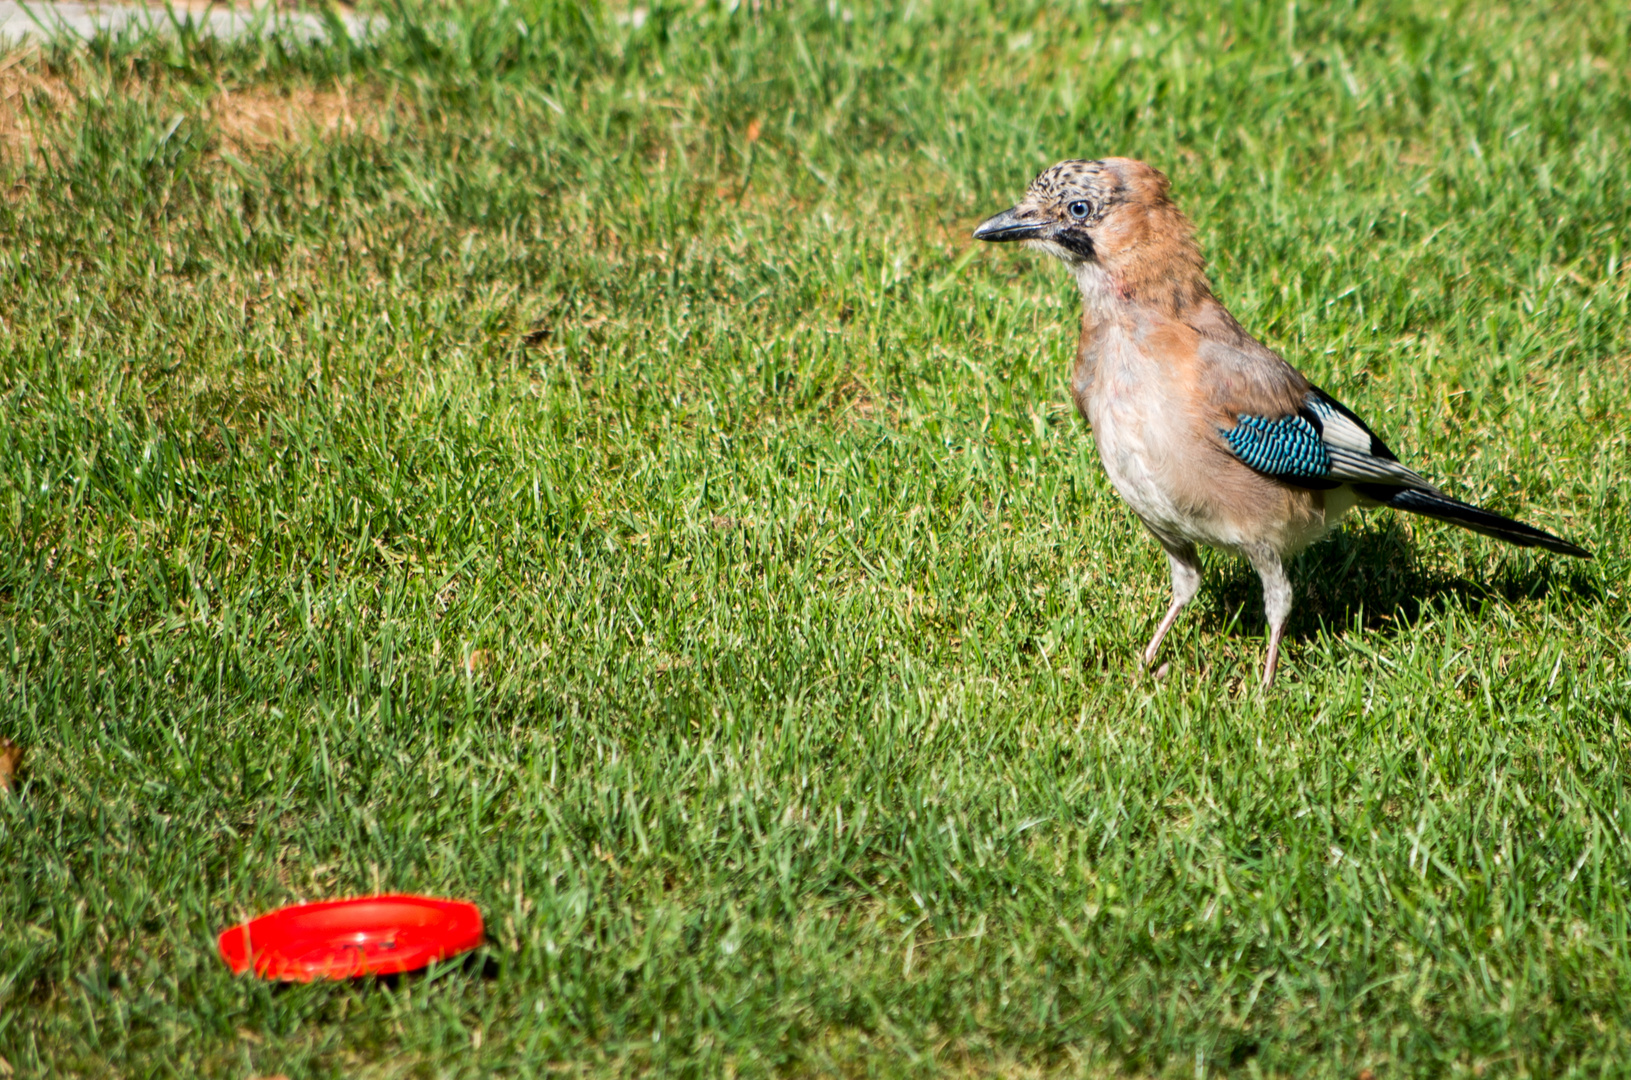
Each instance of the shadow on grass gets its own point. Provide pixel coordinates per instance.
(1372, 580)
(479, 963)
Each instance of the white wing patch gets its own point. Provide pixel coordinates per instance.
(1342, 433)
(1350, 448)
(1348, 464)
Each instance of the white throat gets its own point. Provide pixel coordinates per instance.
(1099, 294)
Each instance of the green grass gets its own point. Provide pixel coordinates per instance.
(539, 490)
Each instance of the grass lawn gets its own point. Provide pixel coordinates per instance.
(579, 461)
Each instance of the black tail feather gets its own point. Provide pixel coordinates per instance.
(1434, 504)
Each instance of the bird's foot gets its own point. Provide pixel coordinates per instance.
(1270, 667)
(1146, 666)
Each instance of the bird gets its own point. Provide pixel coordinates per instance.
(1210, 436)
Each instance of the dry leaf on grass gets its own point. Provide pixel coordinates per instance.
(11, 759)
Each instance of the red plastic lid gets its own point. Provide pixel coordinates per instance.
(342, 939)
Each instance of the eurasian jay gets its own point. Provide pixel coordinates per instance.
(1211, 437)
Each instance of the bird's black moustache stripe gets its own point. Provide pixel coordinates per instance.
(1077, 243)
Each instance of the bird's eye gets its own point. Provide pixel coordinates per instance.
(1078, 210)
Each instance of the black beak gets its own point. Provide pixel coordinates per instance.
(1008, 225)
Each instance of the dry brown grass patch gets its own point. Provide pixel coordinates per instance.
(258, 118)
(25, 93)
(249, 119)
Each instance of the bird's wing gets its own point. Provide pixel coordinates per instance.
(1280, 425)
(1320, 445)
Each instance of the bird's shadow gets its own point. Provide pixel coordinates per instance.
(1372, 580)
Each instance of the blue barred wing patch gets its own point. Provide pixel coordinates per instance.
(1287, 446)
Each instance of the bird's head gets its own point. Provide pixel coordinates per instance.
(1109, 221)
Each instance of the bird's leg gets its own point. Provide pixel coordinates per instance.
(1186, 582)
(1276, 604)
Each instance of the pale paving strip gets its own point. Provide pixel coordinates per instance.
(43, 21)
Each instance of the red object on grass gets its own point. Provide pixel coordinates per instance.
(342, 939)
